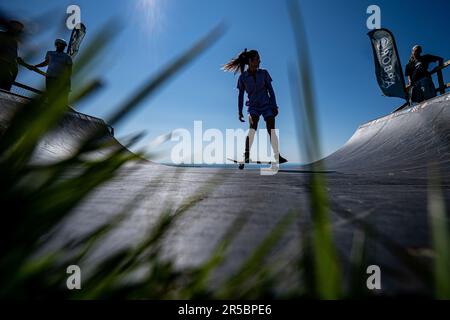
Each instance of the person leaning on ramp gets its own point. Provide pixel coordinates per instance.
(8, 52)
(59, 70)
(419, 78)
(261, 98)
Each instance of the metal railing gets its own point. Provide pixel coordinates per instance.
(442, 85)
(28, 89)
(440, 89)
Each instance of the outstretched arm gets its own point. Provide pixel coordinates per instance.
(21, 62)
(43, 63)
(437, 59)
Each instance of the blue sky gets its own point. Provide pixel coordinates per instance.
(152, 35)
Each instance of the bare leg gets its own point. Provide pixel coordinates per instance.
(270, 125)
(253, 120)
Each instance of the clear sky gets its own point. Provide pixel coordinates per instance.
(153, 32)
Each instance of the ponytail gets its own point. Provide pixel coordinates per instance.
(238, 63)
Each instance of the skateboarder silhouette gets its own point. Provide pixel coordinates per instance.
(261, 101)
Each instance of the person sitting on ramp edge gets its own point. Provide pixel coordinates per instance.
(419, 77)
(261, 98)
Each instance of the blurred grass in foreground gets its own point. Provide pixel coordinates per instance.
(325, 276)
(38, 198)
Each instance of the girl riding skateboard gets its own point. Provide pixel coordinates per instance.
(261, 101)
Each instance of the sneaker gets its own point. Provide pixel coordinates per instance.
(281, 159)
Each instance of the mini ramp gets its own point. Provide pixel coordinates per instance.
(396, 206)
(61, 142)
(402, 142)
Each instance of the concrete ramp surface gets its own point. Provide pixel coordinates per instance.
(402, 142)
(64, 139)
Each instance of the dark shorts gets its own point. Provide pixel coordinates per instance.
(61, 87)
(265, 111)
(422, 90)
(59, 84)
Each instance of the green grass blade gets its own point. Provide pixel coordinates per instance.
(162, 77)
(326, 264)
(440, 235)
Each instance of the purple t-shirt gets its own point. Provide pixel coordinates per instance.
(259, 90)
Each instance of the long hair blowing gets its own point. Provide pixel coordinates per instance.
(238, 63)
